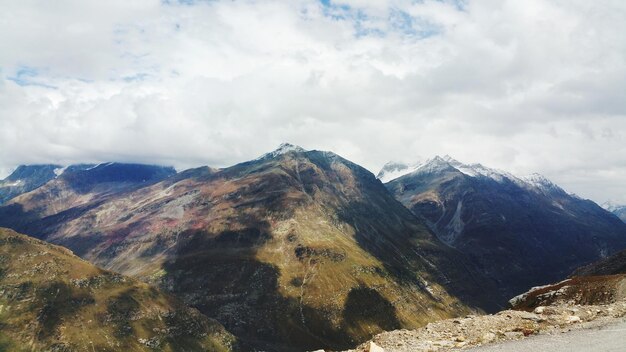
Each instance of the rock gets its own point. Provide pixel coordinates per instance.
(573, 319)
(488, 337)
(529, 316)
(513, 335)
(375, 348)
(509, 325)
(539, 310)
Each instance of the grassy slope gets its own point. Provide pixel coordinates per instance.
(50, 299)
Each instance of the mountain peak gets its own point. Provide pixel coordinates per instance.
(282, 149)
(537, 177)
(448, 163)
(392, 170)
(449, 159)
(541, 182)
(288, 147)
(437, 159)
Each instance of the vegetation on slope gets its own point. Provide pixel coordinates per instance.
(52, 300)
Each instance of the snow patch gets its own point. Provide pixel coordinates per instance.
(13, 184)
(59, 171)
(393, 170)
(541, 183)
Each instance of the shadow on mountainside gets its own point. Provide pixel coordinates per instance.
(415, 252)
(14, 216)
(220, 275)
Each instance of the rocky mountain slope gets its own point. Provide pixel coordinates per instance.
(294, 250)
(25, 179)
(577, 303)
(73, 191)
(615, 264)
(51, 300)
(522, 232)
(471, 331)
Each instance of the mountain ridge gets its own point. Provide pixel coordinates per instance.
(524, 232)
(394, 170)
(26, 178)
(306, 241)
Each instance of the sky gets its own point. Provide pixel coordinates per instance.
(524, 86)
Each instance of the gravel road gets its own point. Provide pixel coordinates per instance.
(609, 338)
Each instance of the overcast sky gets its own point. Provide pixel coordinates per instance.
(524, 86)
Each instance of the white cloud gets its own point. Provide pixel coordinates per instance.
(526, 86)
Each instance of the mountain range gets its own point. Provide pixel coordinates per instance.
(293, 250)
(301, 250)
(521, 232)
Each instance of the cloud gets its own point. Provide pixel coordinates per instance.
(524, 86)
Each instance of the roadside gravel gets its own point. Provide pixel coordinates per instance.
(509, 325)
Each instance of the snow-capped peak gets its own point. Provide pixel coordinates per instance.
(472, 170)
(287, 147)
(284, 148)
(394, 169)
(535, 181)
(537, 178)
(541, 182)
(448, 158)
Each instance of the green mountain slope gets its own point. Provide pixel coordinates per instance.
(51, 300)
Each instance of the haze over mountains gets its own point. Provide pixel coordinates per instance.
(304, 249)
